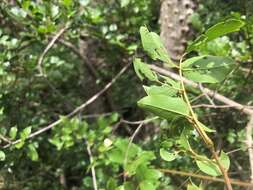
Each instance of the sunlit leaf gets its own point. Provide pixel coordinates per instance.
(167, 156)
(207, 69)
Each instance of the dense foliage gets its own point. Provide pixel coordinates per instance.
(74, 113)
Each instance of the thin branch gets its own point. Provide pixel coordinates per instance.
(216, 106)
(215, 179)
(130, 143)
(48, 47)
(75, 111)
(249, 143)
(5, 139)
(211, 93)
(139, 122)
(93, 171)
(206, 95)
(194, 120)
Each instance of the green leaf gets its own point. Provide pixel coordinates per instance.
(205, 128)
(224, 159)
(13, 133)
(20, 144)
(2, 156)
(25, 133)
(160, 90)
(211, 168)
(142, 70)
(124, 3)
(143, 158)
(193, 187)
(220, 29)
(154, 47)
(184, 141)
(207, 69)
(143, 172)
(167, 156)
(163, 106)
(147, 185)
(32, 152)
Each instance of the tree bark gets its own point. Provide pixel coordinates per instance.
(174, 20)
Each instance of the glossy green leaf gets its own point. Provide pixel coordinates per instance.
(154, 47)
(223, 28)
(167, 156)
(163, 106)
(2, 156)
(160, 90)
(207, 69)
(13, 133)
(220, 29)
(143, 71)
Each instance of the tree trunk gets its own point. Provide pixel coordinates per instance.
(174, 16)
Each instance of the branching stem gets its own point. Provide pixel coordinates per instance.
(194, 120)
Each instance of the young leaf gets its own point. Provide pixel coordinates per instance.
(207, 69)
(13, 133)
(142, 70)
(154, 47)
(205, 128)
(25, 133)
(167, 156)
(163, 106)
(2, 156)
(32, 152)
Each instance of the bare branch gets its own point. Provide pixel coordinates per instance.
(215, 179)
(49, 46)
(75, 111)
(249, 142)
(93, 171)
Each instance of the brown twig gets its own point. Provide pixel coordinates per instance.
(75, 111)
(215, 179)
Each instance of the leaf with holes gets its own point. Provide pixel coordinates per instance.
(207, 69)
(154, 47)
(163, 106)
